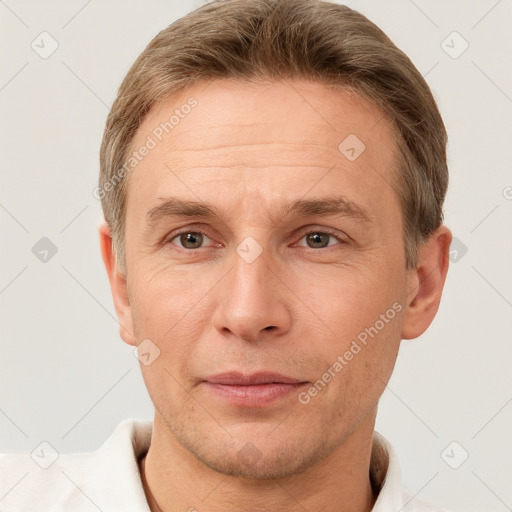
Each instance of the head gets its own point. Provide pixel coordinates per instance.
(272, 175)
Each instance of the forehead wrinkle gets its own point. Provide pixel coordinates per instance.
(241, 127)
(195, 138)
(242, 167)
(274, 143)
(255, 155)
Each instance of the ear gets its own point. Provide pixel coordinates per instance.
(117, 285)
(425, 283)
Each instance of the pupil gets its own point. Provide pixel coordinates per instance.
(321, 239)
(191, 240)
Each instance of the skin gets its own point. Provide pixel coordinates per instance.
(249, 149)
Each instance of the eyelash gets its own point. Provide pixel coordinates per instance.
(323, 231)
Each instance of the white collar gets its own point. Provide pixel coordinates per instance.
(109, 478)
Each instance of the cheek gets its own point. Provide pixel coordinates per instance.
(350, 300)
(164, 299)
(172, 308)
(364, 314)
(355, 373)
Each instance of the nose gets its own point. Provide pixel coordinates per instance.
(253, 301)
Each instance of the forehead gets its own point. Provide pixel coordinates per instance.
(219, 133)
(293, 111)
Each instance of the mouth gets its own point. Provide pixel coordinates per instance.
(252, 390)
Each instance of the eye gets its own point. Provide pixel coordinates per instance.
(190, 239)
(320, 239)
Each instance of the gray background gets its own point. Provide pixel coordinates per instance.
(65, 375)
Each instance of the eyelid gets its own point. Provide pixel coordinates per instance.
(175, 234)
(342, 238)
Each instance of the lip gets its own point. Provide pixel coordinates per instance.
(254, 390)
(241, 379)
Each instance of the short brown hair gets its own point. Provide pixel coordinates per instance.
(279, 39)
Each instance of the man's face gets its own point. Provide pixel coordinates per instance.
(257, 288)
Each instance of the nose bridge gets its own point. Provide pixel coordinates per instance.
(251, 299)
(251, 271)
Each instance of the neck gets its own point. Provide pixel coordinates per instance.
(341, 479)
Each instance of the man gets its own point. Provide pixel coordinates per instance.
(272, 177)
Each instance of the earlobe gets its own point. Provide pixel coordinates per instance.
(117, 285)
(426, 282)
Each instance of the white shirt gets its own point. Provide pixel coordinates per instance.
(108, 479)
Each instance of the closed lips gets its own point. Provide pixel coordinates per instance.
(240, 379)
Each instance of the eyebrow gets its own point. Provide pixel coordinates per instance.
(340, 205)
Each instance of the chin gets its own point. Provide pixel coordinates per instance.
(249, 462)
(257, 452)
